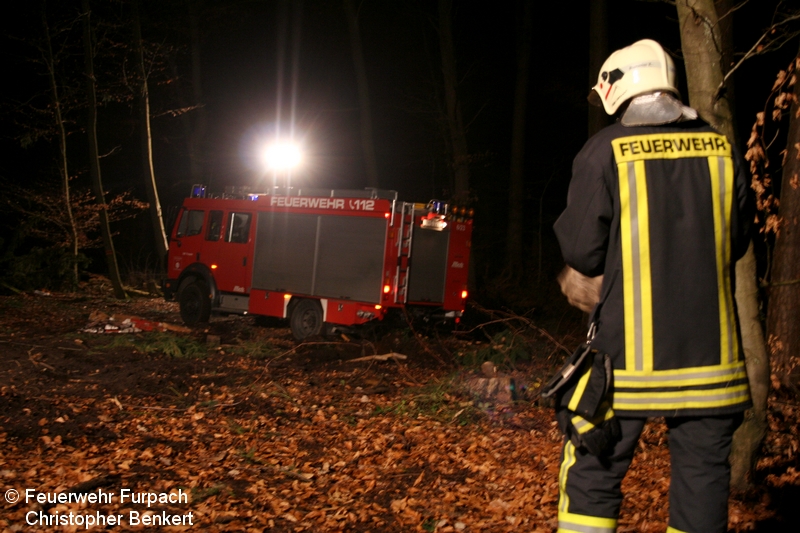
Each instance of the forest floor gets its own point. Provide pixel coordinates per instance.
(238, 428)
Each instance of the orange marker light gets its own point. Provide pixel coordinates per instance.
(378, 307)
(463, 295)
(287, 296)
(213, 267)
(387, 289)
(386, 215)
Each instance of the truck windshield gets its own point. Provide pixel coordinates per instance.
(191, 223)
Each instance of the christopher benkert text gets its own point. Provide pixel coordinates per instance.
(97, 519)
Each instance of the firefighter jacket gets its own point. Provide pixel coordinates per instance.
(663, 212)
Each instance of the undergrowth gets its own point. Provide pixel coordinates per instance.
(505, 349)
(179, 346)
(254, 349)
(437, 401)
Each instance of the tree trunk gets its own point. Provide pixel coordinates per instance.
(748, 438)
(725, 14)
(94, 159)
(156, 217)
(598, 52)
(198, 116)
(455, 123)
(62, 145)
(783, 327)
(516, 189)
(370, 162)
(700, 38)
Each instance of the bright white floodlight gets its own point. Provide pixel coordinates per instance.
(282, 156)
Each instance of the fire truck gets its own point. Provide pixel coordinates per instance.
(322, 259)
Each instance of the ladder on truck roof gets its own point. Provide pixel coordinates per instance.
(404, 252)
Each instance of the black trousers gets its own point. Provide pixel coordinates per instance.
(589, 487)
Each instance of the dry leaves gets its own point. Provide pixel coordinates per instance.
(299, 445)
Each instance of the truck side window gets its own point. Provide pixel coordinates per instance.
(238, 227)
(191, 223)
(214, 226)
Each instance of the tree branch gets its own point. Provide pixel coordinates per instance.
(737, 7)
(758, 49)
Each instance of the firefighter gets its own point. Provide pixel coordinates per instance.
(659, 206)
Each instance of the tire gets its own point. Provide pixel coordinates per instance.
(195, 303)
(306, 319)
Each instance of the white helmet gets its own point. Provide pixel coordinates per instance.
(640, 68)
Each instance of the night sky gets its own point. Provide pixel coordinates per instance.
(240, 57)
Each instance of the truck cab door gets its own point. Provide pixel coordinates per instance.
(234, 250)
(213, 241)
(186, 244)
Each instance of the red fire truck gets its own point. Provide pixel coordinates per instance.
(321, 259)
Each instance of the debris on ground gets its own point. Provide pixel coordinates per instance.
(100, 322)
(384, 357)
(501, 389)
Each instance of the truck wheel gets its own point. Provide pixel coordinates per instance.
(306, 319)
(195, 303)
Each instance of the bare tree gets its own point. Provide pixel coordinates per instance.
(189, 95)
(156, 217)
(783, 29)
(50, 64)
(700, 43)
(783, 328)
(199, 121)
(94, 158)
(455, 122)
(41, 211)
(516, 189)
(598, 52)
(367, 145)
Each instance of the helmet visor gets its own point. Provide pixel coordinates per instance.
(594, 98)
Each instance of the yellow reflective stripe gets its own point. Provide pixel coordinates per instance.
(627, 266)
(682, 377)
(566, 464)
(682, 372)
(675, 382)
(581, 424)
(721, 172)
(674, 530)
(579, 389)
(718, 203)
(636, 280)
(585, 524)
(646, 287)
(730, 199)
(670, 146)
(682, 399)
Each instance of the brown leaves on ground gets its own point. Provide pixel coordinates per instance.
(293, 439)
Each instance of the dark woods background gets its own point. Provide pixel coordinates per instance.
(226, 75)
